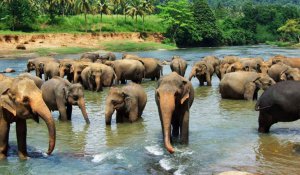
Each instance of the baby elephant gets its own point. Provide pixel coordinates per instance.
(279, 103)
(59, 94)
(129, 102)
(178, 65)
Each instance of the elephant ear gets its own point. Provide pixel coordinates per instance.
(7, 102)
(257, 82)
(185, 92)
(66, 93)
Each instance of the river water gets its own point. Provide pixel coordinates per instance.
(223, 133)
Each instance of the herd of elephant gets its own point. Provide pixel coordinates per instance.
(29, 97)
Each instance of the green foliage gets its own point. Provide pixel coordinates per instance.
(205, 23)
(291, 27)
(20, 14)
(64, 50)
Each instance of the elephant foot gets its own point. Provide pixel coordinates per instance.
(23, 156)
(264, 129)
(2, 156)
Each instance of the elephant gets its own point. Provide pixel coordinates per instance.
(229, 59)
(91, 56)
(244, 85)
(174, 96)
(65, 69)
(130, 56)
(59, 94)
(203, 71)
(222, 68)
(213, 60)
(76, 68)
(97, 75)
(2, 77)
(34, 64)
(153, 68)
(276, 70)
(38, 81)
(235, 67)
(129, 102)
(290, 74)
(20, 100)
(127, 69)
(51, 69)
(293, 62)
(108, 57)
(178, 65)
(252, 64)
(278, 105)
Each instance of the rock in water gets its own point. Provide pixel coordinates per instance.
(9, 70)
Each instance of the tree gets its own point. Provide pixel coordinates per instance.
(84, 6)
(103, 8)
(135, 9)
(176, 14)
(21, 14)
(63, 5)
(115, 4)
(124, 4)
(206, 23)
(291, 27)
(147, 8)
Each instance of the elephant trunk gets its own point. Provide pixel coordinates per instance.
(98, 83)
(191, 75)
(61, 73)
(81, 104)
(76, 77)
(167, 107)
(109, 110)
(39, 107)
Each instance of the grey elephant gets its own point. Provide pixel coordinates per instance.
(290, 74)
(213, 60)
(20, 100)
(279, 103)
(178, 65)
(38, 81)
(108, 57)
(51, 69)
(65, 69)
(59, 94)
(76, 69)
(276, 70)
(34, 64)
(127, 69)
(244, 85)
(97, 75)
(91, 56)
(174, 96)
(203, 71)
(129, 103)
(153, 67)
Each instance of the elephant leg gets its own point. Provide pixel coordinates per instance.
(208, 79)
(264, 122)
(119, 117)
(69, 111)
(184, 124)
(4, 135)
(175, 125)
(21, 138)
(152, 78)
(133, 114)
(62, 110)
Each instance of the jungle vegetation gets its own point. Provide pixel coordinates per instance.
(188, 23)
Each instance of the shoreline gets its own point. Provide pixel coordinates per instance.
(67, 43)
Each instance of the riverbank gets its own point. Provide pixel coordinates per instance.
(283, 44)
(67, 43)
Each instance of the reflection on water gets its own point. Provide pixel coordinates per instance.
(223, 133)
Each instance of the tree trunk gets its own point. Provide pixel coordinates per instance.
(135, 23)
(298, 38)
(143, 23)
(85, 21)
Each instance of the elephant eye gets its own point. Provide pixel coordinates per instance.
(26, 100)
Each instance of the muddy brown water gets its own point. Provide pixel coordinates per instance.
(223, 133)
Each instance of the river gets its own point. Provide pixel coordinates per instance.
(223, 133)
